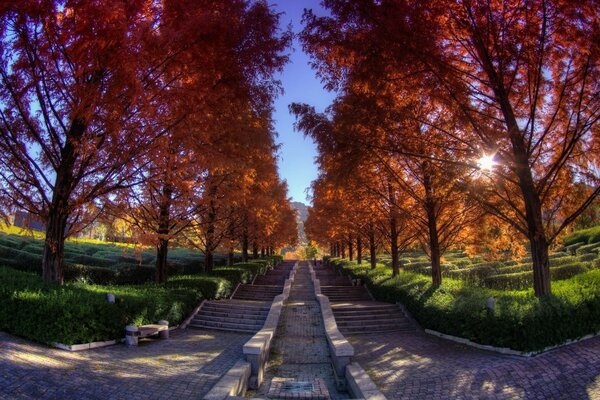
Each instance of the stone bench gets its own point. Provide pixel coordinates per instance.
(134, 333)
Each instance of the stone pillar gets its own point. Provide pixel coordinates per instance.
(164, 334)
(131, 335)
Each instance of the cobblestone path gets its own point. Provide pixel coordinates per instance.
(299, 349)
(419, 366)
(183, 367)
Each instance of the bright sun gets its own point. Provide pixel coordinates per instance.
(486, 162)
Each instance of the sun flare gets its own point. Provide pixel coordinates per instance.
(486, 162)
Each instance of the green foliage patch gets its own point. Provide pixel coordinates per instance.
(520, 320)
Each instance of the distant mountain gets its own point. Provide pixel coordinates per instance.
(302, 210)
(301, 217)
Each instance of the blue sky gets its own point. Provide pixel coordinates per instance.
(296, 156)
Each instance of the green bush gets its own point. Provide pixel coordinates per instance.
(20, 260)
(87, 274)
(135, 275)
(211, 287)
(520, 320)
(588, 248)
(524, 280)
(587, 257)
(255, 267)
(233, 274)
(79, 313)
(473, 275)
(590, 235)
(90, 260)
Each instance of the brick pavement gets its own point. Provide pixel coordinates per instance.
(183, 367)
(419, 366)
(300, 349)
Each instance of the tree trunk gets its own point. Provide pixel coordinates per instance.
(533, 207)
(162, 251)
(59, 209)
(394, 246)
(254, 250)
(393, 231)
(350, 249)
(230, 257)
(358, 250)
(434, 242)
(209, 260)
(245, 247)
(54, 247)
(262, 252)
(343, 250)
(372, 248)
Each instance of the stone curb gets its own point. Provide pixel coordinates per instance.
(233, 383)
(86, 346)
(360, 384)
(341, 350)
(189, 319)
(256, 350)
(506, 350)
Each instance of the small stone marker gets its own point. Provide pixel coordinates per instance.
(131, 335)
(164, 334)
(110, 298)
(491, 304)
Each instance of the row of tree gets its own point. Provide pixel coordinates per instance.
(155, 112)
(454, 121)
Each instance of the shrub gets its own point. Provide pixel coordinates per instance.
(587, 257)
(571, 249)
(78, 313)
(520, 320)
(233, 274)
(87, 274)
(21, 260)
(256, 268)
(211, 287)
(90, 260)
(135, 275)
(555, 262)
(473, 275)
(590, 235)
(588, 248)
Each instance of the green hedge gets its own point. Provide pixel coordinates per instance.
(524, 280)
(257, 267)
(78, 313)
(211, 287)
(520, 321)
(233, 274)
(591, 235)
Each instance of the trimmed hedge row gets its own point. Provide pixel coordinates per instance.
(520, 320)
(78, 313)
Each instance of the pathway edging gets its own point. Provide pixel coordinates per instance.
(256, 350)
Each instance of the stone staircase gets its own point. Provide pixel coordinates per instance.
(370, 317)
(232, 315)
(346, 293)
(257, 292)
(354, 309)
(249, 306)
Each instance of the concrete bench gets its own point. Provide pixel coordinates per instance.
(134, 333)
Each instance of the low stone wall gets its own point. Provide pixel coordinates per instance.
(360, 385)
(341, 351)
(256, 350)
(233, 383)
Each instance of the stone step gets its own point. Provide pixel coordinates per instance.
(359, 308)
(377, 322)
(226, 327)
(374, 330)
(368, 317)
(255, 296)
(240, 303)
(229, 319)
(235, 308)
(240, 314)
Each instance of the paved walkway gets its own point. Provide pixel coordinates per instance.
(419, 366)
(300, 349)
(183, 367)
